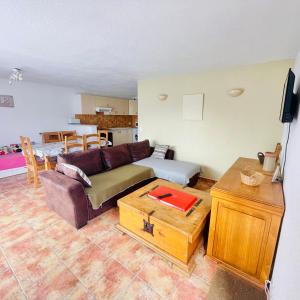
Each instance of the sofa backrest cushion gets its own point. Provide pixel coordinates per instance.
(89, 161)
(160, 151)
(139, 150)
(116, 156)
(169, 155)
(74, 172)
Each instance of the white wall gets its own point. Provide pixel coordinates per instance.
(231, 127)
(38, 108)
(286, 274)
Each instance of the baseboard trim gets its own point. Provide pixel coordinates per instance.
(12, 172)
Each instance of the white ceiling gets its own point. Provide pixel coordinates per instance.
(104, 47)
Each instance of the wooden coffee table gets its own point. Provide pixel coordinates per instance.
(166, 230)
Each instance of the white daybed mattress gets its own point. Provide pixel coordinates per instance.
(172, 170)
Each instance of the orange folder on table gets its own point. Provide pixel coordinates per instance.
(177, 199)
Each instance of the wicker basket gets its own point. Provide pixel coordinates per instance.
(251, 177)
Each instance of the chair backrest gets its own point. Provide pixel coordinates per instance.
(27, 151)
(69, 133)
(51, 137)
(74, 142)
(95, 140)
(103, 137)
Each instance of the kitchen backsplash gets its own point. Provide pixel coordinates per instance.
(107, 121)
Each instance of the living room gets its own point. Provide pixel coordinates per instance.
(143, 153)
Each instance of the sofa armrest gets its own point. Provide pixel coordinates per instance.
(66, 197)
(169, 155)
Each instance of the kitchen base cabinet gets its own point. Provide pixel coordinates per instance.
(122, 136)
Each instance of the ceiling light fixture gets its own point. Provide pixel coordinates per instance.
(16, 75)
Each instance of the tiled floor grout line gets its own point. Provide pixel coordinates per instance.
(59, 259)
(134, 275)
(110, 257)
(35, 231)
(69, 269)
(85, 287)
(13, 272)
(146, 283)
(38, 228)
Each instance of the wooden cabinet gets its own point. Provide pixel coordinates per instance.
(89, 103)
(133, 107)
(245, 223)
(171, 233)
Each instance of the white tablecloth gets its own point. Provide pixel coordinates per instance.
(53, 149)
(49, 149)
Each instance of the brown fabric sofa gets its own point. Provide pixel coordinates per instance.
(67, 196)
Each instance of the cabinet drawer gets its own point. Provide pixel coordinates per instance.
(164, 237)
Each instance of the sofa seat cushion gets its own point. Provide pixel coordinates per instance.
(108, 184)
(89, 161)
(116, 156)
(139, 150)
(172, 170)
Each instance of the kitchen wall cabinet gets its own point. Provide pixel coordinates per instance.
(133, 107)
(120, 106)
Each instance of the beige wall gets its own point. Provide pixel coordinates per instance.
(231, 127)
(90, 102)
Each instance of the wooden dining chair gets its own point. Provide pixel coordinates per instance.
(67, 133)
(75, 141)
(33, 165)
(92, 139)
(103, 138)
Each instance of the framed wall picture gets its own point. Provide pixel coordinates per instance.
(192, 107)
(6, 101)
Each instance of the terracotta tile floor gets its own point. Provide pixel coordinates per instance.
(43, 257)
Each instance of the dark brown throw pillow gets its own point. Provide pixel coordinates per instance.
(139, 150)
(74, 172)
(116, 156)
(88, 161)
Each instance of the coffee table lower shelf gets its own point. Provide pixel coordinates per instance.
(173, 261)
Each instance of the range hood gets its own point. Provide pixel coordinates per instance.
(105, 110)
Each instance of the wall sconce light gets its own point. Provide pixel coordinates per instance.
(235, 92)
(162, 97)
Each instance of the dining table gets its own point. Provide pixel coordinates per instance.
(48, 152)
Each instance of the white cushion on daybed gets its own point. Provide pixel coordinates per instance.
(172, 170)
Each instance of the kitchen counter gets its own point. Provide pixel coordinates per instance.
(83, 128)
(121, 128)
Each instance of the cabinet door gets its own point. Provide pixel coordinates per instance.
(241, 235)
(122, 136)
(129, 136)
(133, 107)
(116, 137)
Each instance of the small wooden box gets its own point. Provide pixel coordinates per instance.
(166, 230)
